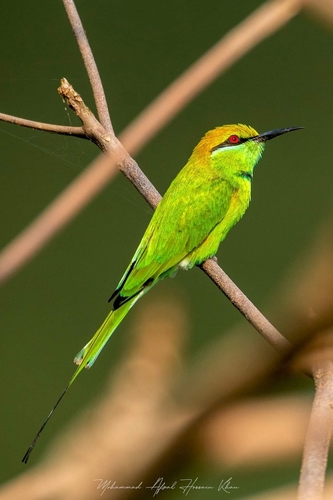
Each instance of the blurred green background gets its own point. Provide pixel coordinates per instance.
(53, 306)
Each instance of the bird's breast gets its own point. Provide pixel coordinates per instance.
(242, 194)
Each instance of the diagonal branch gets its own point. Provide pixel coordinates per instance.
(90, 64)
(245, 306)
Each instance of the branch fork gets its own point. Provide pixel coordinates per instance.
(91, 126)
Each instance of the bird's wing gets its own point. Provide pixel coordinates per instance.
(181, 222)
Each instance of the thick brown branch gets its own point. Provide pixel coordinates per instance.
(45, 127)
(90, 64)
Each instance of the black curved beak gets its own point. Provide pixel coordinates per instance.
(267, 136)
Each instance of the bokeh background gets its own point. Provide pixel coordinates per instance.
(53, 306)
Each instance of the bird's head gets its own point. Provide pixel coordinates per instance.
(237, 147)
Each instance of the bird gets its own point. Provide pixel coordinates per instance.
(205, 200)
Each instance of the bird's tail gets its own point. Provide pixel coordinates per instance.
(90, 352)
(88, 355)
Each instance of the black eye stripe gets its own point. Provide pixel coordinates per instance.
(226, 144)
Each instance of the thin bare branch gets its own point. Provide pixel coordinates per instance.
(45, 127)
(245, 306)
(90, 64)
(319, 434)
(223, 373)
(263, 22)
(79, 193)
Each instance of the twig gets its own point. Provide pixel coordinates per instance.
(45, 127)
(318, 435)
(90, 64)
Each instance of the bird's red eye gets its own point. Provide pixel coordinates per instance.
(233, 139)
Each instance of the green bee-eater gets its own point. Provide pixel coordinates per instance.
(208, 196)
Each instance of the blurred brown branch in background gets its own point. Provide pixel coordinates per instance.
(156, 414)
(319, 433)
(290, 493)
(323, 10)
